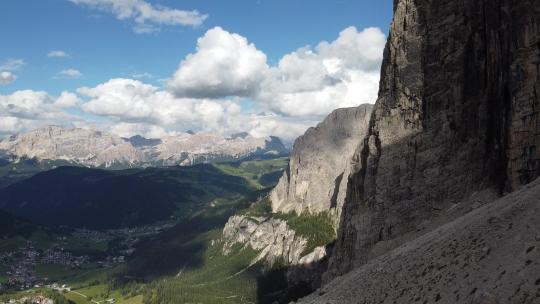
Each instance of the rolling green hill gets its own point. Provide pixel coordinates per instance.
(100, 199)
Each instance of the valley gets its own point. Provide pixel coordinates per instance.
(125, 265)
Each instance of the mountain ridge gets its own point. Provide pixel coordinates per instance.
(92, 148)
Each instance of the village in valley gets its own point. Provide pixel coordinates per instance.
(32, 267)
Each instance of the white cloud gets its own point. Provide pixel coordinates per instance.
(147, 17)
(207, 90)
(6, 70)
(70, 73)
(133, 101)
(338, 74)
(306, 82)
(67, 100)
(7, 77)
(57, 54)
(225, 64)
(125, 129)
(138, 108)
(124, 98)
(12, 64)
(27, 109)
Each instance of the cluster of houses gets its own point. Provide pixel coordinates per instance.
(31, 300)
(22, 262)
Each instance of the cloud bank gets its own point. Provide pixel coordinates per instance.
(211, 87)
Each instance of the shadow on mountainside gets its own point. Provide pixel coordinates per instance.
(285, 284)
(182, 246)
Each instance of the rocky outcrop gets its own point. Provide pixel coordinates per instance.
(316, 178)
(271, 237)
(458, 112)
(99, 149)
(489, 256)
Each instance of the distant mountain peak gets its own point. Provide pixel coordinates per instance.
(93, 148)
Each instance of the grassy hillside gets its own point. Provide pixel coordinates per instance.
(259, 173)
(318, 229)
(99, 199)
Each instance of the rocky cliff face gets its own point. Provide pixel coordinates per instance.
(80, 146)
(458, 111)
(316, 178)
(271, 237)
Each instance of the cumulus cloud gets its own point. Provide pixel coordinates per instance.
(7, 68)
(67, 100)
(57, 54)
(7, 77)
(70, 74)
(224, 64)
(147, 18)
(308, 81)
(27, 109)
(132, 101)
(210, 85)
(336, 74)
(133, 107)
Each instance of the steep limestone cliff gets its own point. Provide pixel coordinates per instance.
(316, 178)
(458, 112)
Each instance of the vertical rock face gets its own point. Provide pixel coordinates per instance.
(316, 178)
(457, 112)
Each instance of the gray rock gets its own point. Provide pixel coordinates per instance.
(79, 146)
(99, 149)
(316, 178)
(271, 237)
(457, 112)
(488, 256)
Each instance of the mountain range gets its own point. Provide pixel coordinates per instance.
(92, 148)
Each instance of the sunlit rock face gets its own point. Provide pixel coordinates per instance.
(271, 237)
(316, 179)
(100, 149)
(80, 146)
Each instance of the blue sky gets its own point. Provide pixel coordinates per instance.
(102, 47)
